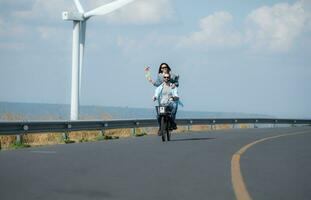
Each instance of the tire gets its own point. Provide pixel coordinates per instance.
(163, 128)
(168, 133)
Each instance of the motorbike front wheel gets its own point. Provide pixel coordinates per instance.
(168, 132)
(163, 128)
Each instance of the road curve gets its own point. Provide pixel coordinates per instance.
(192, 166)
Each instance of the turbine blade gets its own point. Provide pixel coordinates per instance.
(108, 8)
(79, 6)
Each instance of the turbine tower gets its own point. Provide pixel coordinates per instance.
(78, 45)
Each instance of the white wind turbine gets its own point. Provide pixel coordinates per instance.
(78, 43)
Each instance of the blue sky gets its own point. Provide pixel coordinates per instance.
(232, 56)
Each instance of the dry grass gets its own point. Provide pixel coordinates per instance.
(245, 126)
(6, 141)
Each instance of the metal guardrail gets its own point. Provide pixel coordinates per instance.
(25, 127)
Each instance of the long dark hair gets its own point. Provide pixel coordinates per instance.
(169, 69)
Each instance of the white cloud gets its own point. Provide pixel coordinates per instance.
(48, 33)
(2, 26)
(43, 11)
(142, 12)
(215, 30)
(137, 12)
(276, 28)
(7, 31)
(152, 40)
(33, 18)
(44, 16)
(11, 30)
(15, 46)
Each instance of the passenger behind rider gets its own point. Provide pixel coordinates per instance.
(164, 69)
(167, 94)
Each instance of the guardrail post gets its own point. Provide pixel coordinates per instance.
(134, 128)
(65, 136)
(235, 123)
(294, 124)
(275, 124)
(213, 126)
(19, 139)
(133, 131)
(190, 125)
(101, 133)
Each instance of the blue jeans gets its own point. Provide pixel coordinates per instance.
(174, 107)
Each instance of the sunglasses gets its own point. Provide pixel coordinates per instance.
(166, 77)
(164, 67)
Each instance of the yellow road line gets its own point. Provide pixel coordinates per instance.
(239, 186)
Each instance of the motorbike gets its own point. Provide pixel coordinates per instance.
(164, 112)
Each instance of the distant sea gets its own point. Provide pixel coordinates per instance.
(41, 111)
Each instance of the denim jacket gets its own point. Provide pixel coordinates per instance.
(158, 93)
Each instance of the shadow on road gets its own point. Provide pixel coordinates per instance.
(191, 139)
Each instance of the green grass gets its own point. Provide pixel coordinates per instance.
(19, 145)
(68, 141)
(107, 137)
(84, 140)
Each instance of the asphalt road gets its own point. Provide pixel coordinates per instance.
(192, 166)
